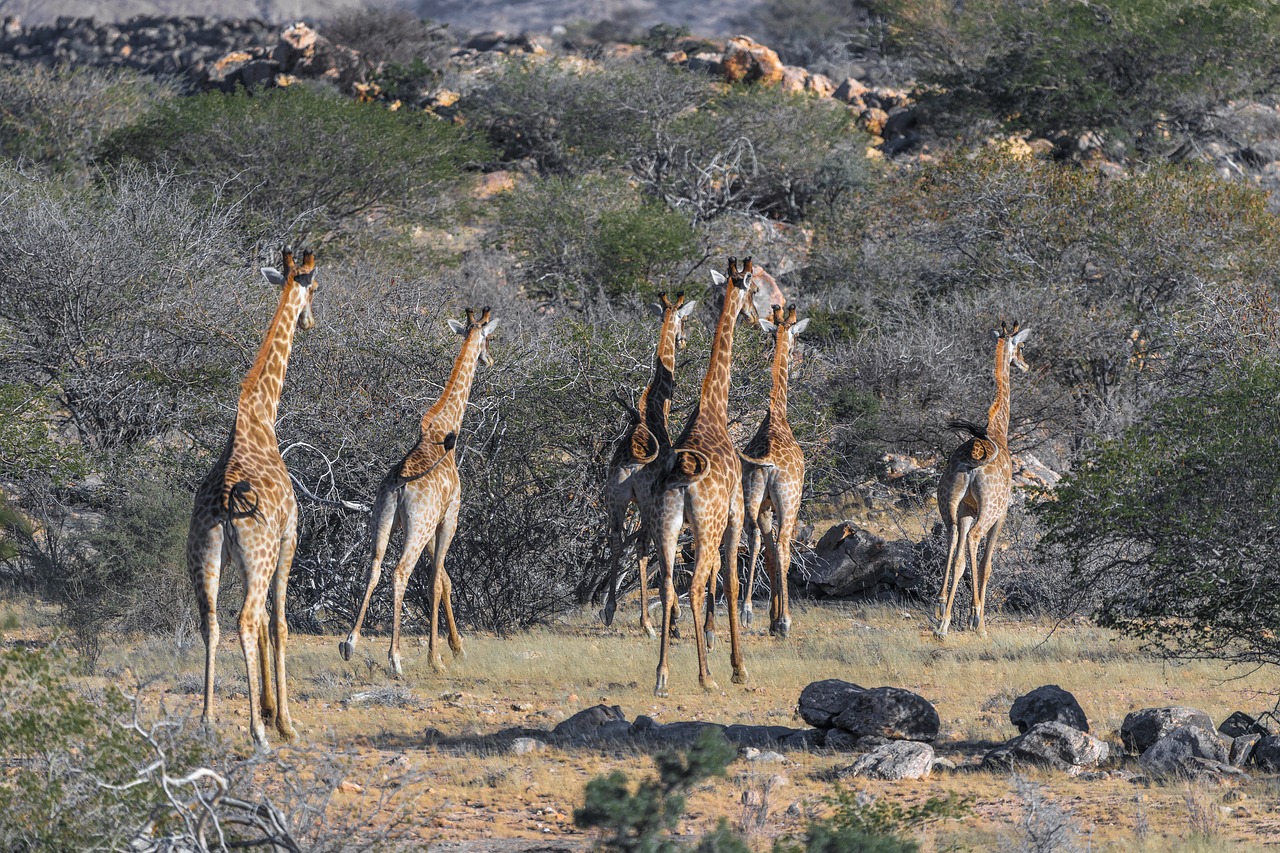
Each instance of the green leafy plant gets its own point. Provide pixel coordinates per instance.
(642, 820)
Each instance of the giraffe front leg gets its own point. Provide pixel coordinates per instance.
(615, 559)
(265, 656)
(667, 543)
(982, 575)
(415, 541)
(280, 632)
(646, 624)
(381, 526)
(730, 566)
(753, 554)
(782, 563)
(709, 618)
(772, 562)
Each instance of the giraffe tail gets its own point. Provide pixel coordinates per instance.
(686, 467)
(755, 462)
(239, 500)
(970, 427)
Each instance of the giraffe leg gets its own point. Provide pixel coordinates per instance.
(954, 574)
(617, 520)
(444, 536)
(753, 495)
(709, 618)
(415, 540)
(206, 554)
(771, 561)
(381, 525)
(280, 629)
(982, 574)
(705, 560)
(953, 540)
(257, 564)
(667, 537)
(732, 534)
(642, 545)
(782, 567)
(268, 703)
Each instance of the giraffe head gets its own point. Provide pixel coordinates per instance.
(481, 328)
(297, 275)
(1011, 340)
(675, 313)
(783, 325)
(740, 286)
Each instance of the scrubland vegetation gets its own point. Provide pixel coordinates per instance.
(133, 216)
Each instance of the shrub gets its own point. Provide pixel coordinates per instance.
(569, 119)
(55, 117)
(581, 237)
(343, 157)
(387, 36)
(1168, 531)
(1150, 72)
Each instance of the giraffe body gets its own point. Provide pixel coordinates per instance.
(773, 481)
(975, 490)
(245, 513)
(632, 470)
(422, 493)
(702, 486)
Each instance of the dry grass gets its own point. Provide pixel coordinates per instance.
(536, 679)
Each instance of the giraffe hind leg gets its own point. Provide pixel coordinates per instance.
(206, 555)
(383, 523)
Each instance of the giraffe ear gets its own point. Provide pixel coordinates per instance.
(458, 326)
(487, 329)
(1021, 336)
(686, 309)
(718, 278)
(272, 275)
(798, 328)
(768, 326)
(657, 309)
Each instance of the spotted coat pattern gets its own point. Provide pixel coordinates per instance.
(773, 481)
(702, 486)
(975, 490)
(245, 514)
(422, 493)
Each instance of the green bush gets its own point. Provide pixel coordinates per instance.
(55, 117)
(302, 151)
(1149, 72)
(1170, 531)
(569, 119)
(580, 237)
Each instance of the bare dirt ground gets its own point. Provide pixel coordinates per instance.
(439, 728)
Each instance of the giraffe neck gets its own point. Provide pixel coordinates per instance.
(715, 385)
(260, 391)
(446, 413)
(655, 400)
(781, 367)
(998, 414)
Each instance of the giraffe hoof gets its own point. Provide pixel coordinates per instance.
(660, 688)
(747, 616)
(287, 731)
(459, 653)
(740, 676)
(710, 637)
(710, 685)
(648, 629)
(346, 648)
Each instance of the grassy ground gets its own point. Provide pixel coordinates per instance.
(539, 678)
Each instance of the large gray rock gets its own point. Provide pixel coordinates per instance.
(890, 712)
(822, 701)
(850, 561)
(759, 736)
(676, 735)
(1046, 704)
(1184, 752)
(1050, 744)
(902, 759)
(588, 723)
(1239, 723)
(1242, 748)
(1144, 727)
(1266, 754)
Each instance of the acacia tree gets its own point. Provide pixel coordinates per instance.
(1174, 528)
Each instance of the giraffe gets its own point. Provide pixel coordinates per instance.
(422, 494)
(245, 513)
(702, 484)
(773, 479)
(630, 469)
(974, 492)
